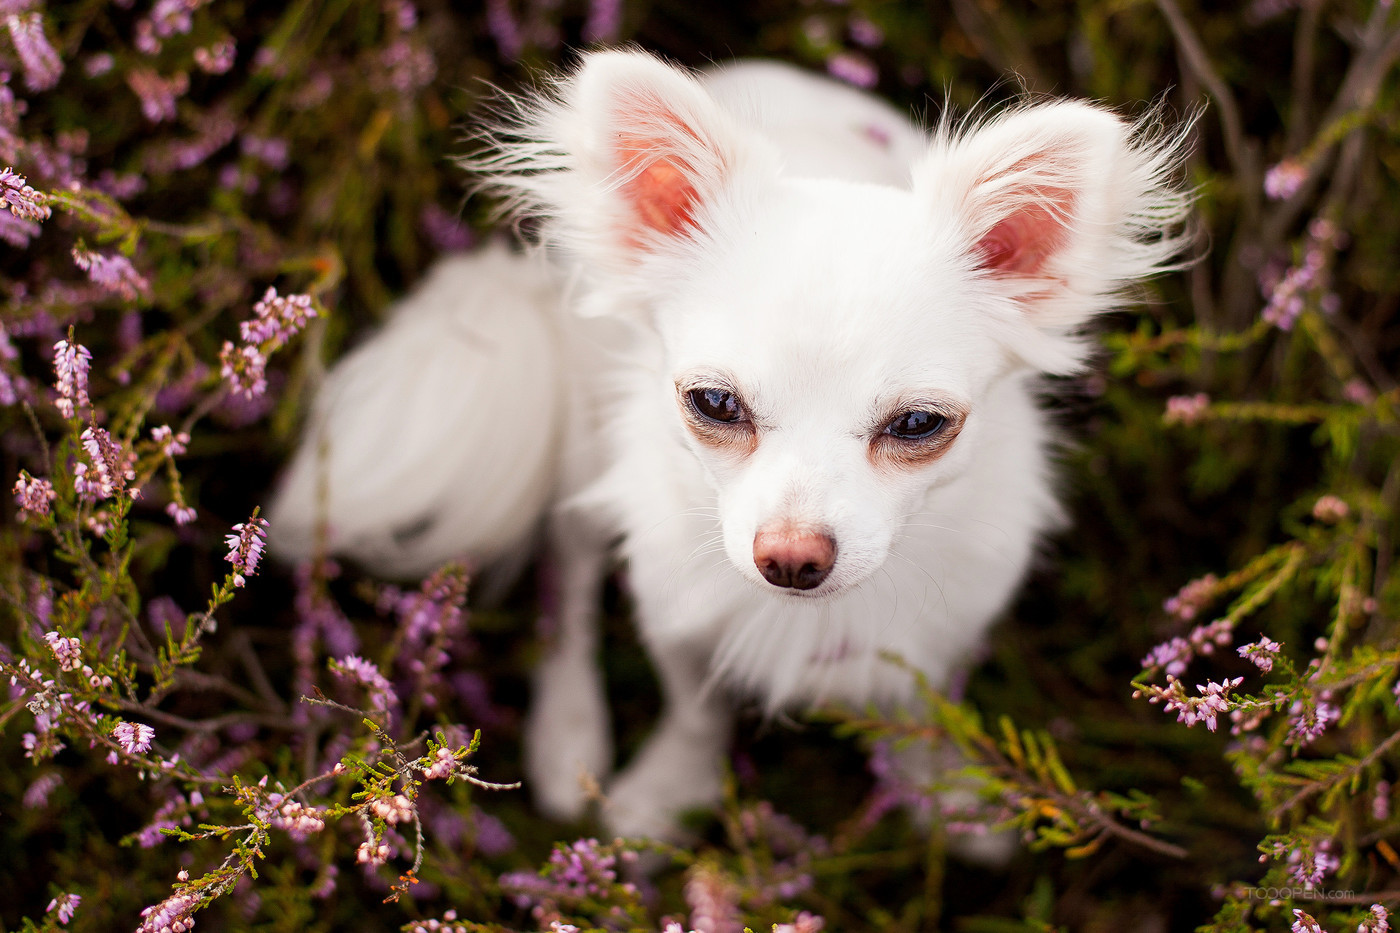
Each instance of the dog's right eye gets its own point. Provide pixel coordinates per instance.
(718, 405)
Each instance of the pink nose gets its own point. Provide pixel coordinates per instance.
(796, 558)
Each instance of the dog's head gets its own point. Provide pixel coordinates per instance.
(830, 346)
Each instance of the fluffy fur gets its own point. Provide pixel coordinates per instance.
(762, 242)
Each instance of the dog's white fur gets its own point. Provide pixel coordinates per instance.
(796, 244)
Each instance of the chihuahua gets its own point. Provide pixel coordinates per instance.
(782, 350)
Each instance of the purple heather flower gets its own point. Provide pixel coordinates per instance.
(1309, 720)
(21, 200)
(1304, 923)
(182, 514)
(444, 230)
(157, 94)
(172, 915)
(1283, 180)
(68, 651)
(444, 764)
(218, 58)
(65, 905)
(33, 495)
(71, 362)
(504, 28)
(802, 923)
(245, 368)
(1192, 597)
(1261, 653)
(366, 673)
(1380, 803)
(172, 444)
(1378, 922)
(1330, 509)
(112, 466)
(42, 66)
(278, 318)
(135, 738)
(98, 64)
(1186, 409)
(36, 795)
(864, 32)
(113, 272)
(853, 68)
(172, 17)
(17, 231)
(604, 21)
(1310, 866)
(245, 548)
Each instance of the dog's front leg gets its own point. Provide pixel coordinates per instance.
(568, 737)
(680, 766)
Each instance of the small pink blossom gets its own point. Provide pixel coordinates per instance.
(113, 272)
(1186, 409)
(20, 199)
(853, 68)
(34, 495)
(444, 764)
(370, 854)
(245, 368)
(158, 95)
(42, 66)
(172, 443)
(65, 905)
(134, 737)
(1261, 653)
(1308, 720)
(1378, 922)
(1304, 923)
(277, 318)
(218, 58)
(182, 514)
(245, 548)
(71, 363)
(1283, 180)
(1331, 509)
(68, 651)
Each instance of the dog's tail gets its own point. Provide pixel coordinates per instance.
(434, 440)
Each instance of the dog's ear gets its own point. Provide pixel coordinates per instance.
(1058, 207)
(628, 156)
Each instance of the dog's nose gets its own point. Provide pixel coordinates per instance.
(795, 558)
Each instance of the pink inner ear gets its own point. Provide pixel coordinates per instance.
(659, 189)
(1022, 241)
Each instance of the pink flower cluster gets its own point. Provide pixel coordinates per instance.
(1262, 653)
(245, 548)
(134, 737)
(277, 318)
(112, 467)
(68, 651)
(21, 200)
(64, 906)
(111, 271)
(42, 66)
(33, 495)
(71, 362)
(1214, 699)
(1186, 409)
(172, 915)
(366, 673)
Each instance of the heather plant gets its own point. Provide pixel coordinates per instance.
(1190, 720)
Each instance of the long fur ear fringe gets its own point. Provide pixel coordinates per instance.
(1128, 220)
(581, 153)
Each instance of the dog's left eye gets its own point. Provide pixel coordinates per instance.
(717, 405)
(916, 425)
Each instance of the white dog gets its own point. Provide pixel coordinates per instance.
(787, 353)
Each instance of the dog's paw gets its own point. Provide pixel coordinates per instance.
(674, 773)
(568, 747)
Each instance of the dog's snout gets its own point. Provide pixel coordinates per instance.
(798, 559)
